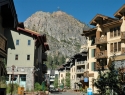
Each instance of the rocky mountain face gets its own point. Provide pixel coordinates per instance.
(63, 31)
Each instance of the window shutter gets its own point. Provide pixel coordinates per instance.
(119, 46)
(111, 47)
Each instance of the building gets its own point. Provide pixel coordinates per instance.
(105, 40)
(76, 66)
(8, 19)
(26, 53)
(50, 77)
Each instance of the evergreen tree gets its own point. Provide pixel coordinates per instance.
(110, 79)
(56, 82)
(67, 80)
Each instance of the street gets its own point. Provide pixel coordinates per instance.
(65, 93)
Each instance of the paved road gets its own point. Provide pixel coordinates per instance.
(65, 93)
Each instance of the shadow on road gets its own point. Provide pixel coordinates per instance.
(56, 92)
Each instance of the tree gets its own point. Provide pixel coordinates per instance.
(56, 82)
(67, 80)
(110, 79)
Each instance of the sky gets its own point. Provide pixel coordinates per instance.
(83, 10)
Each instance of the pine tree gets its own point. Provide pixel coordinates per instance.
(67, 80)
(110, 79)
(56, 82)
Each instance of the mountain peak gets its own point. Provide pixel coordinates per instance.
(62, 30)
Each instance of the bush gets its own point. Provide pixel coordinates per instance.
(14, 89)
(2, 82)
(38, 87)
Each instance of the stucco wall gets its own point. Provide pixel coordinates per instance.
(23, 49)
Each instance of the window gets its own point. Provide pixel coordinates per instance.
(115, 32)
(93, 53)
(29, 42)
(93, 40)
(115, 47)
(13, 77)
(119, 46)
(23, 77)
(28, 57)
(7, 77)
(17, 42)
(16, 57)
(93, 66)
(111, 47)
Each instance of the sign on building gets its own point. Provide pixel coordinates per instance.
(89, 91)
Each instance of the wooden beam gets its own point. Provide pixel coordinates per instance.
(91, 75)
(94, 21)
(119, 14)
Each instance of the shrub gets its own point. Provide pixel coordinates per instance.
(14, 89)
(37, 86)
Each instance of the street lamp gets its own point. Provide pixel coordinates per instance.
(13, 66)
(34, 70)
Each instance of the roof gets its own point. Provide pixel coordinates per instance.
(119, 11)
(93, 21)
(40, 39)
(89, 31)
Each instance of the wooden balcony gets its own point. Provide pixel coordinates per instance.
(123, 35)
(44, 56)
(98, 66)
(101, 54)
(101, 40)
(123, 50)
(3, 46)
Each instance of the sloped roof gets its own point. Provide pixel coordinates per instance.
(92, 22)
(38, 36)
(119, 12)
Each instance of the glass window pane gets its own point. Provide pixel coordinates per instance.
(17, 42)
(29, 42)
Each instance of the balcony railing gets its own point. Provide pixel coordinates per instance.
(101, 54)
(123, 51)
(123, 35)
(80, 70)
(81, 63)
(101, 40)
(98, 66)
(3, 44)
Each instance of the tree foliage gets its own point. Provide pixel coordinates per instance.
(67, 80)
(56, 82)
(110, 79)
(57, 60)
